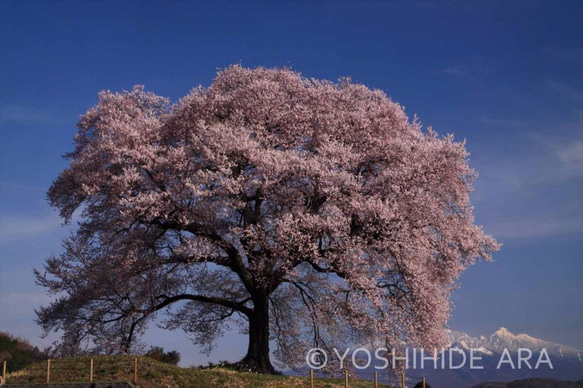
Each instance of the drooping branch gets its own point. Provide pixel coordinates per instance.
(237, 306)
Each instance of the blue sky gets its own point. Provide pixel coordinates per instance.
(504, 75)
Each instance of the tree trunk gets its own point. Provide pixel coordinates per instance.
(257, 358)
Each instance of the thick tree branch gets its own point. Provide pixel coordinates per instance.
(237, 306)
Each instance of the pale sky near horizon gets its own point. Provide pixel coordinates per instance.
(504, 75)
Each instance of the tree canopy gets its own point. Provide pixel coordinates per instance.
(304, 211)
(18, 353)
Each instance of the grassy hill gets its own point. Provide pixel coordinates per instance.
(155, 374)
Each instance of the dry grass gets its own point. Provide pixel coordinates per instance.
(154, 374)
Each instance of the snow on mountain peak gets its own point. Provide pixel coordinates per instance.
(504, 339)
(503, 332)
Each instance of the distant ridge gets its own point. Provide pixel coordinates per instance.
(504, 338)
(533, 383)
(567, 363)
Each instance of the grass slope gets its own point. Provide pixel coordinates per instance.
(155, 374)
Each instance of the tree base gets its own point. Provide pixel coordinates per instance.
(246, 366)
(255, 366)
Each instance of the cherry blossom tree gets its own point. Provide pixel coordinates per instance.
(305, 212)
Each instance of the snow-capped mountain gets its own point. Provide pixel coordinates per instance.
(505, 339)
(567, 362)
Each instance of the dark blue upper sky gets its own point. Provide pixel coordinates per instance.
(504, 75)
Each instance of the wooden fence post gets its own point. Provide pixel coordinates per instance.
(376, 380)
(48, 371)
(311, 378)
(423, 381)
(135, 370)
(4, 373)
(91, 371)
(402, 379)
(345, 378)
